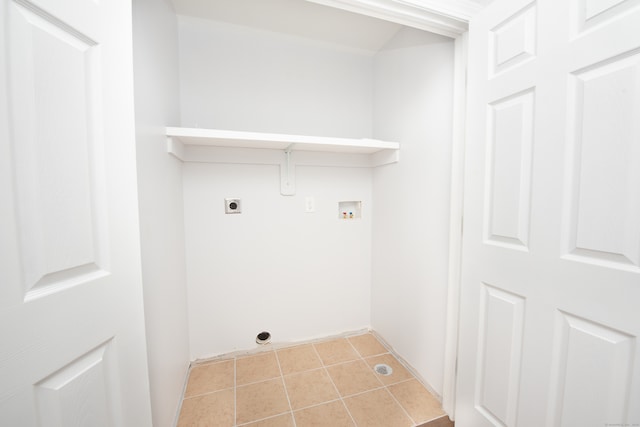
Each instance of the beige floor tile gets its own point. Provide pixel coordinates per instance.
(260, 400)
(367, 345)
(261, 367)
(336, 351)
(285, 420)
(331, 414)
(312, 373)
(353, 377)
(417, 401)
(210, 377)
(213, 409)
(400, 373)
(377, 408)
(298, 359)
(309, 388)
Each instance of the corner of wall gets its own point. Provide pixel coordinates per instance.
(413, 105)
(160, 206)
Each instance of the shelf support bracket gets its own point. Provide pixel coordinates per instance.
(175, 148)
(288, 173)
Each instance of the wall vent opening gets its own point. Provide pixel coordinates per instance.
(263, 338)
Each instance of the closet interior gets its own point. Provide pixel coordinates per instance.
(332, 133)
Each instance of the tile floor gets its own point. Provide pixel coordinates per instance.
(331, 383)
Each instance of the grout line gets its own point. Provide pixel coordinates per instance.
(324, 366)
(207, 393)
(349, 412)
(331, 365)
(284, 385)
(400, 405)
(265, 418)
(363, 392)
(375, 374)
(407, 366)
(337, 399)
(386, 385)
(259, 381)
(192, 366)
(354, 348)
(303, 372)
(334, 386)
(264, 379)
(402, 363)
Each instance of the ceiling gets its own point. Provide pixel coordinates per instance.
(315, 21)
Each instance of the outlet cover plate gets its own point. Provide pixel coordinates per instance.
(232, 206)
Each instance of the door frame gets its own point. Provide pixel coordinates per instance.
(456, 220)
(442, 17)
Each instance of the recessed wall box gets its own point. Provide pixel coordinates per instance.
(350, 210)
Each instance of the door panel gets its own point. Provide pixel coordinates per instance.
(590, 13)
(79, 393)
(603, 164)
(610, 352)
(71, 319)
(60, 175)
(499, 353)
(550, 278)
(513, 41)
(508, 181)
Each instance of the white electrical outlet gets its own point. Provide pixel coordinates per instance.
(232, 206)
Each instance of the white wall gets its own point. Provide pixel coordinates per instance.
(160, 203)
(233, 77)
(273, 267)
(413, 105)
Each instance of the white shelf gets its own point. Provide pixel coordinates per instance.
(274, 141)
(287, 151)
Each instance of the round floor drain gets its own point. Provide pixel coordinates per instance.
(263, 338)
(383, 369)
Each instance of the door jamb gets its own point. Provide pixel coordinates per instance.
(456, 224)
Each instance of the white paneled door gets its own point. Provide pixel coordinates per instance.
(72, 344)
(550, 298)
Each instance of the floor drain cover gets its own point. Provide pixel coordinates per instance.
(383, 369)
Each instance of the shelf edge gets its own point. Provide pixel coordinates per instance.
(228, 138)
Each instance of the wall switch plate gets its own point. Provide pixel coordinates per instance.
(309, 205)
(232, 206)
